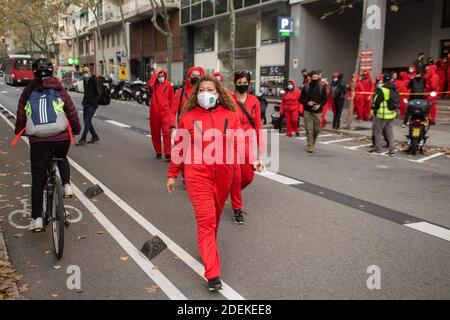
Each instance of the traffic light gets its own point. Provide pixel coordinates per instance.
(72, 61)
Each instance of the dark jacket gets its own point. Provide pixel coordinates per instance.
(420, 65)
(317, 93)
(91, 92)
(338, 90)
(69, 109)
(417, 85)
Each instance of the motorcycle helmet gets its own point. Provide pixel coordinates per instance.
(42, 68)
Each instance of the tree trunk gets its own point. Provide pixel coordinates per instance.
(232, 36)
(124, 31)
(99, 38)
(169, 57)
(357, 68)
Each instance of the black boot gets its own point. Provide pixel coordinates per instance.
(214, 284)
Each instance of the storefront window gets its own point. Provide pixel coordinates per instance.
(221, 6)
(208, 9)
(247, 63)
(204, 38)
(185, 15)
(269, 27)
(196, 12)
(245, 34)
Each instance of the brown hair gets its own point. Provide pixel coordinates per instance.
(242, 74)
(224, 98)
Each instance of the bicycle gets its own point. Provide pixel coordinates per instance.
(54, 211)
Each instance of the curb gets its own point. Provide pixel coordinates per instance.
(4, 255)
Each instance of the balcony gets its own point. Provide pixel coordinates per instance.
(132, 10)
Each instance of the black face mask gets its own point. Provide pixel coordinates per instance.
(242, 88)
(314, 82)
(194, 80)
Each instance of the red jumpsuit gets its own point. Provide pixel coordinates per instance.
(244, 174)
(207, 185)
(161, 117)
(291, 107)
(179, 102)
(442, 74)
(327, 107)
(432, 80)
(402, 87)
(363, 97)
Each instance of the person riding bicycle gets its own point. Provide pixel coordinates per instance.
(33, 114)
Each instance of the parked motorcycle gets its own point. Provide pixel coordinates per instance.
(144, 96)
(126, 92)
(137, 88)
(115, 89)
(418, 111)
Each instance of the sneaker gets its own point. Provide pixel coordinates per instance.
(297, 134)
(391, 154)
(310, 149)
(36, 225)
(214, 284)
(238, 217)
(159, 156)
(94, 139)
(374, 152)
(81, 143)
(167, 156)
(68, 193)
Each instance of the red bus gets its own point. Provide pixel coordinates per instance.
(17, 69)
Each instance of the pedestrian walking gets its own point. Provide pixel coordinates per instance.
(313, 97)
(384, 110)
(161, 117)
(432, 86)
(207, 183)
(90, 106)
(249, 115)
(263, 104)
(291, 108)
(338, 92)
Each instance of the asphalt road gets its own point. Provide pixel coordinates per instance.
(313, 229)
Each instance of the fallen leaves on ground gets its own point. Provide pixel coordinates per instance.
(4, 174)
(47, 252)
(57, 267)
(8, 281)
(81, 237)
(79, 291)
(176, 258)
(125, 259)
(100, 232)
(155, 267)
(54, 295)
(18, 235)
(152, 289)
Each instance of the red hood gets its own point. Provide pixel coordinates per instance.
(432, 69)
(403, 75)
(192, 69)
(52, 83)
(218, 74)
(293, 83)
(414, 68)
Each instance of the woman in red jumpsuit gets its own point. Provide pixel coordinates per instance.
(249, 114)
(328, 106)
(207, 183)
(402, 87)
(364, 96)
(442, 74)
(432, 81)
(160, 112)
(291, 108)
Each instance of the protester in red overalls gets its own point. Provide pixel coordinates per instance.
(249, 114)
(441, 71)
(160, 112)
(328, 106)
(209, 109)
(363, 96)
(432, 81)
(183, 94)
(402, 87)
(291, 108)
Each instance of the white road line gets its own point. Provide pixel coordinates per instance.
(169, 289)
(319, 136)
(279, 178)
(337, 141)
(430, 229)
(428, 158)
(119, 124)
(357, 147)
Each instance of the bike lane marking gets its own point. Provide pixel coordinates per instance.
(422, 160)
(157, 276)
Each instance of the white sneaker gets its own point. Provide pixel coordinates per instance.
(36, 225)
(68, 193)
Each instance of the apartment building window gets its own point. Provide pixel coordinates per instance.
(248, 3)
(196, 12)
(446, 14)
(119, 37)
(207, 9)
(204, 38)
(245, 34)
(269, 26)
(100, 9)
(221, 6)
(237, 4)
(185, 15)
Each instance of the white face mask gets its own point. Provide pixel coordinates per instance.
(207, 100)
(86, 75)
(290, 86)
(411, 70)
(160, 79)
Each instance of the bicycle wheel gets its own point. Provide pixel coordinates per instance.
(58, 218)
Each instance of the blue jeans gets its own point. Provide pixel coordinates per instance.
(88, 114)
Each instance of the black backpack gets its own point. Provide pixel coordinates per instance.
(104, 92)
(394, 102)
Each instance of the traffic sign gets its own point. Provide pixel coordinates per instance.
(284, 26)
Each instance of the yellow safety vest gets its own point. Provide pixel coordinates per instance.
(383, 112)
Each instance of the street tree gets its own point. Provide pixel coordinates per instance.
(120, 3)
